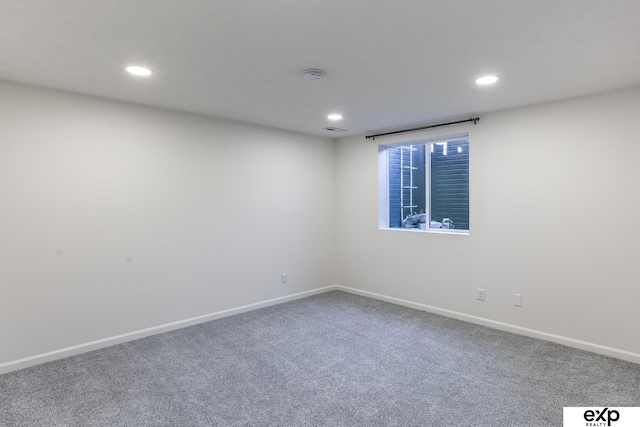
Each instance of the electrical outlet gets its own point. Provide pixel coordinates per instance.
(517, 300)
(480, 294)
(284, 277)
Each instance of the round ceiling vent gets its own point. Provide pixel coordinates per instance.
(312, 75)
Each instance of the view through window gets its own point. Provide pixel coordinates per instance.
(427, 184)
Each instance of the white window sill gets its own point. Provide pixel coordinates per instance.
(429, 230)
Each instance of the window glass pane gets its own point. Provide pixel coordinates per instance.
(449, 189)
(407, 186)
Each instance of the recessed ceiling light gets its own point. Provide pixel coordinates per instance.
(486, 80)
(334, 117)
(137, 70)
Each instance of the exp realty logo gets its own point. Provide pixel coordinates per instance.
(601, 417)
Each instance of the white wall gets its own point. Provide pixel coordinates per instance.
(554, 208)
(210, 212)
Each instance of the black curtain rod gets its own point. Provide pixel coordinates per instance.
(474, 120)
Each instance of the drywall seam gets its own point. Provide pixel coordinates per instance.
(569, 342)
(130, 336)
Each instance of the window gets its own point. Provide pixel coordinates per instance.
(424, 184)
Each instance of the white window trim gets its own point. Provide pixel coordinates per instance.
(383, 184)
(428, 230)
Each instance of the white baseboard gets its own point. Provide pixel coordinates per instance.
(130, 336)
(570, 342)
(106, 342)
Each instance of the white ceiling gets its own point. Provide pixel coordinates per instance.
(387, 63)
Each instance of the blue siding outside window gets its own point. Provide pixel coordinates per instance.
(394, 188)
(450, 183)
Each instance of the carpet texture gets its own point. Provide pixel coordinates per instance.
(333, 359)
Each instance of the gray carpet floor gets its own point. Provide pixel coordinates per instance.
(333, 359)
